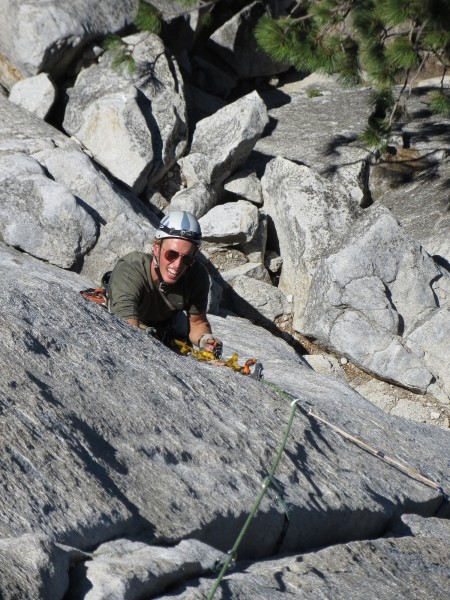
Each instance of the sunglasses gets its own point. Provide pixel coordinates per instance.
(172, 255)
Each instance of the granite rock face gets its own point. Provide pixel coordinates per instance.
(389, 567)
(32, 566)
(128, 470)
(170, 449)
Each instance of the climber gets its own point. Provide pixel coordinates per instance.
(154, 291)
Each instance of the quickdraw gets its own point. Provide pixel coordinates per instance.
(203, 355)
(97, 295)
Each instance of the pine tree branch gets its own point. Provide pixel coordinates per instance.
(419, 70)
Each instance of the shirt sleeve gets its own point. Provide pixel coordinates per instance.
(125, 289)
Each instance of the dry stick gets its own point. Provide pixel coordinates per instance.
(379, 454)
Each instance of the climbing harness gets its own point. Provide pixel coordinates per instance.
(186, 349)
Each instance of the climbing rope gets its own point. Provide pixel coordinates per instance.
(268, 481)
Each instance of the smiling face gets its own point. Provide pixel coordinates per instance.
(170, 270)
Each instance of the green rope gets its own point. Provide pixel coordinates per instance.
(267, 482)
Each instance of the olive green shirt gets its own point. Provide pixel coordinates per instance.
(132, 293)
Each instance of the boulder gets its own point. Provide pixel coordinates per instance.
(255, 249)
(197, 199)
(258, 300)
(273, 261)
(223, 258)
(249, 269)
(321, 132)
(430, 340)
(60, 166)
(32, 566)
(367, 300)
(15, 120)
(238, 126)
(40, 216)
(326, 364)
(235, 43)
(134, 569)
(133, 124)
(407, 190)
(38, 37)
(309, 214)
(246, 185)
(230, 223)
(37, 94)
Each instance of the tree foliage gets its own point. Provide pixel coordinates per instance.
(384, 43)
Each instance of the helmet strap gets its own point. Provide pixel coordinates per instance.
(156, 263)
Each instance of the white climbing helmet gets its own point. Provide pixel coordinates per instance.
(180, 224)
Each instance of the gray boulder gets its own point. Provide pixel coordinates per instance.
(255, 249)
(235, 43)
(430, 340)
(40, 216)
(258, 300)
(57, 31)
(245, 185)
(249, 269)
(37, 94)
(15, 120)
(230, 223)
(310, 215)
(124, 223)
(238, 126)
(369, 297)
(119, 220)
(134, 569)
(321, 132)
(32, 566)
(197, 199)
(133, 124)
